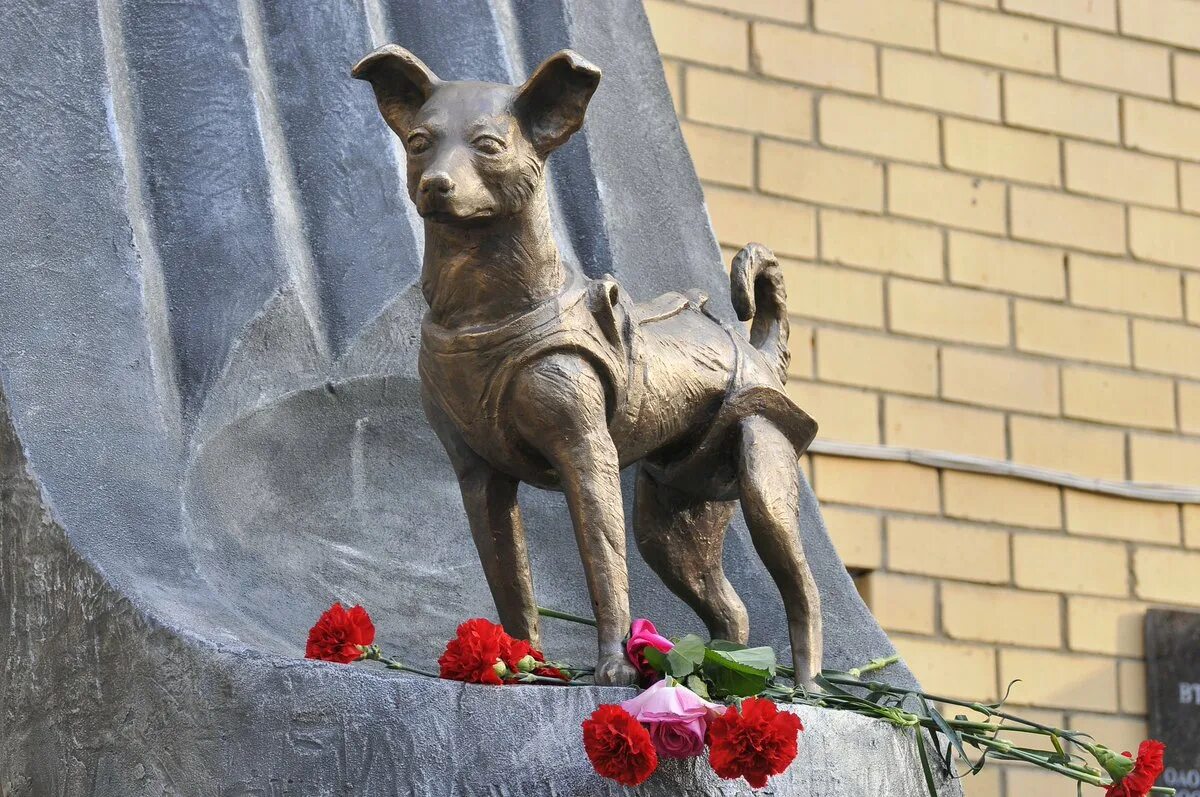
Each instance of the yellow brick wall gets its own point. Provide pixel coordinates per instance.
(989, 217)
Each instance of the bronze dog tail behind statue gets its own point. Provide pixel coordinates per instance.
(759, 296)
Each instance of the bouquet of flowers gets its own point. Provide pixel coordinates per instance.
(723, 700)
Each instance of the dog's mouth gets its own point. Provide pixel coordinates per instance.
(443, 216)
(443, 211)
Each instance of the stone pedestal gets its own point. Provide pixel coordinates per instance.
(101, 701)
(209, 422)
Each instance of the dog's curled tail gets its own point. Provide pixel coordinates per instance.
(758, 294)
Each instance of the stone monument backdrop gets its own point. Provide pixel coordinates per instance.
(209, 421)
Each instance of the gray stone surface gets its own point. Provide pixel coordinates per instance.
(209, 426)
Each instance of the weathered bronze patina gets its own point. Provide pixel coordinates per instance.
(533, 373)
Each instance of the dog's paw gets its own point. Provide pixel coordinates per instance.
(615, 670)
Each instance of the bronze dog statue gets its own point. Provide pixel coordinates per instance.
(532, 373)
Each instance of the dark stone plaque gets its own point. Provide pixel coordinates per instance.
(1173, 694)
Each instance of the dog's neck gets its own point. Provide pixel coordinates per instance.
(483, 274)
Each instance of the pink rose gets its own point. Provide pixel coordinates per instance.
(676, 717)
(641, 634)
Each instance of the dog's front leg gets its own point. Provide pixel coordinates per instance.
(561, 409)
(490, 500)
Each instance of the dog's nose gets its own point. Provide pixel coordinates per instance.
(439, 183)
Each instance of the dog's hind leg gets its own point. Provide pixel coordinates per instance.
(769, 478)
(682, 539)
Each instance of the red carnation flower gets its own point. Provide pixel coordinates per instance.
(1146, 769)
(518, 649)
(618, 746)
(551, 672)
(472, 655)
(513, 650)
(479, 646)
(755, 743)
(338, 633)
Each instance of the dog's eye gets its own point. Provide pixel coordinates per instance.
(488, 145)
(418, 143)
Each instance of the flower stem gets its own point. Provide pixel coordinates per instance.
(873, 666)
(844, 679)
(1006, 749)
(396, 665)
(571, 618)
(373, 653)
(981, 735)
(530, 678)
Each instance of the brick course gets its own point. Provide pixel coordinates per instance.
(884, 244)
(998, 151)
(958, 551)
(879, 129)
(949, 199)
(1001, 265)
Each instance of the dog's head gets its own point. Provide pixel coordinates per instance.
(476, 151)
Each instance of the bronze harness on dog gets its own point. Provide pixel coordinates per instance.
(468, 373)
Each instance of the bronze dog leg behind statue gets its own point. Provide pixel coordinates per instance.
(532, 373)
(667, 521)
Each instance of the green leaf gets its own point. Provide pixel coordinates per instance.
(831, 687)
(950, 733)
(697, 685)
(691, 647)
(1007, 692)
(750, 661)
(930, 784)
(725, 644)
(734, 683)
(655, 658)
(780, 694)
(685, 657)
(742, 673)
(679, 666)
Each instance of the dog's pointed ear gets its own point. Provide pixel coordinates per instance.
(401, 81)
(552, 102)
